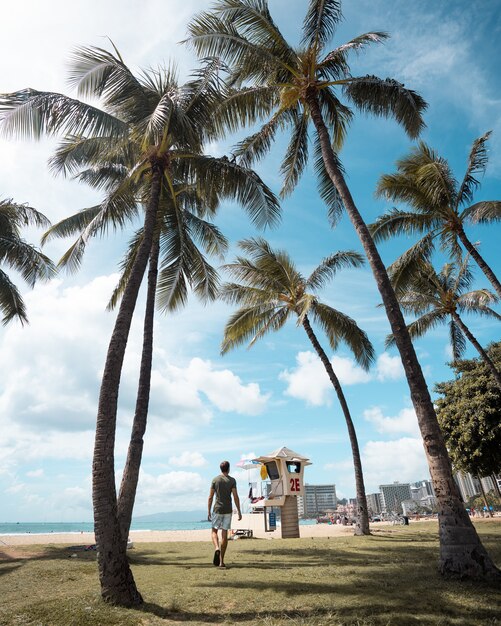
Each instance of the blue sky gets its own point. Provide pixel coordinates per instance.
(205, 407)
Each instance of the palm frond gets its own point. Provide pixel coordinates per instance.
(23, 257)
(477, 162)
(326, 187)
(17, 215)
(256, 146)
(335, 64)
(11, 301)
(477, 301)
(402, 187)
(115, 212)
(254, 21)
(397, 222)
(247, 323)
(328, 268)
(421, 326)
(71, 225)
(457, 340)
(95, 72)
(229, 180)
(339, 326)
(296, 156)
(336, 115)
(403, 271)
(211, 36)
(125, 269)
(31, 114)
(320, 22)
(76, 152)
(245, 106)
(388, 98)
(484, 212)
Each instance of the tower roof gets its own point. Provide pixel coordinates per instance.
(286, 454)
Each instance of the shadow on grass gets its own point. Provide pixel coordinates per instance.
(354, 615)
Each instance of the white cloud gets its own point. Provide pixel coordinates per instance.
(224, 389)
(389, 367)
(386, 461)
(404, 422)
(188, 459)
(38, 473)
(309, 380)
(171, 491)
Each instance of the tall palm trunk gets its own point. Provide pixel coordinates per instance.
(478, 348)
(130, 477)
(479, 259)
(461, 552)
(117, 583)
(362, 524)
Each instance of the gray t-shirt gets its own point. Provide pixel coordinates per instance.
(223, 486)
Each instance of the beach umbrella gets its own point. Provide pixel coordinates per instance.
(248, 464)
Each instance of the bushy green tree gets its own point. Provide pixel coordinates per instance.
(469, 413)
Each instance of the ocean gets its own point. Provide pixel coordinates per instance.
(23, 528)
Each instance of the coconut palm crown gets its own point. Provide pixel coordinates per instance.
(272, 290)
(274, 81)
(440, 207)
(435, 298)
(18, 255)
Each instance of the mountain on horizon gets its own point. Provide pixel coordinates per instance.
(173, 516)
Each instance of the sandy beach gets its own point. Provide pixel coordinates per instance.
(251, 522)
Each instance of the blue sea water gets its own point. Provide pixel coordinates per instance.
(22, 528)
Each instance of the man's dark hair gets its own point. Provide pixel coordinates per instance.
(225, 466)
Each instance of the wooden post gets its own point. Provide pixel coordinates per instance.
(290, 518)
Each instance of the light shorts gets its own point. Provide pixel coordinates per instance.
(221, 521)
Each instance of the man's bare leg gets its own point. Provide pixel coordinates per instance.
(224, 543)
(215, 539)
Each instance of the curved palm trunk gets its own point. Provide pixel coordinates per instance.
(362, 525)
(461, 552)
(130, 477)
(472, 250)
(478, 348)
(117, 583)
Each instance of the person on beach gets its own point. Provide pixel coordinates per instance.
(223, 487)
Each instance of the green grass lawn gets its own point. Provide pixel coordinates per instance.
(389, 578)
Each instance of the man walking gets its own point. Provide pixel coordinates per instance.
(223, 487)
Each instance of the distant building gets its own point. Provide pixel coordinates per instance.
(469, 486)
(424, 488)
(374, 503)
(393, 495)
(423, 494)
(317, 499)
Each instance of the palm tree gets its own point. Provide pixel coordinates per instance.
(154, 129)
(289, 87)
(435, 298)
(271, 292)
(439, 207)
(20, 256)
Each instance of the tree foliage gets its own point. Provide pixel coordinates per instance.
(469, 413)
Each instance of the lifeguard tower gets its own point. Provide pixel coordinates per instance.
(284, 469)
